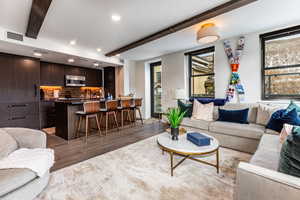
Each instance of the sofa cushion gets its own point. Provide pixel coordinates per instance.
(7, 144)
(237, 106)
(253, 131)
(195, 123)
(11, 179)
(271, 132)
(268, 152)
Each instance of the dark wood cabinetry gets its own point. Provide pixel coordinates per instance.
(19, 99)
(109, 81)
(47, 114)
(93, 78)
(52, 74)
(76, 71)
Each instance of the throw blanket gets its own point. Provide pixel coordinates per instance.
(37, 160)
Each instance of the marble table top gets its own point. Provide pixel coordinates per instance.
(182, 145)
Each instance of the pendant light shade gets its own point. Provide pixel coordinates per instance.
(207, 34)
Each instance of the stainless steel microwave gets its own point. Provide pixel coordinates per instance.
(75, 81)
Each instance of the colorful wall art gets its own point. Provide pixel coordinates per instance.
(234, 58)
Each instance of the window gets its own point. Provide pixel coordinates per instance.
(201, 76)
(281, 64)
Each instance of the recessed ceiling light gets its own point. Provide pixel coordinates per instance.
(71, 60)
(96, 64)
(98, 49)
(73, 42)
(37, 54)
(116, 18)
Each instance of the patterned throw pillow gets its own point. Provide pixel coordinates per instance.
(286, 130)
(289, 162)
(293, 106)
(203, 111)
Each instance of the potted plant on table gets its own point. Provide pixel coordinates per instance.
(175, 117)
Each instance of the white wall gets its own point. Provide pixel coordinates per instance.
(175, 73)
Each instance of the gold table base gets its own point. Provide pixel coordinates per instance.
(190, 156)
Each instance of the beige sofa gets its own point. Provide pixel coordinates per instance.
(258, 179)
(21, 184)
(241, 137)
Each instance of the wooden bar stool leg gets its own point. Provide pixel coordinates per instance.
(78, 127)
(115, 116)
(134, 116)
(98, 125)
(106, 123)
(122, 118)
(86, 127)
(140, 115)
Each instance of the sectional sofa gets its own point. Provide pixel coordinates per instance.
(258, 179)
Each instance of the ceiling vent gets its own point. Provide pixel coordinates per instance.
(14, 36)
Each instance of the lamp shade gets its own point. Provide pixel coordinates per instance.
(208, 33)
(180, 94)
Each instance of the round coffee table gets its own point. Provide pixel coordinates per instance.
(188, 150)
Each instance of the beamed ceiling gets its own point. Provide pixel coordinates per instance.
(90, 24)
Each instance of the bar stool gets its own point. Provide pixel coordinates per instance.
(125, 107)
(136, 106)
(90, 110)
(111, 108)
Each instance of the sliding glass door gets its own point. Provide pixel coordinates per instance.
(156, 89)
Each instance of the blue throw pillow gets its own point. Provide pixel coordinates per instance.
(289, 162)
(281, 117)
(293, 106)
(186, 107)
(217, 102)
(236, 116)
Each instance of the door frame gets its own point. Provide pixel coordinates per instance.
(152, 65)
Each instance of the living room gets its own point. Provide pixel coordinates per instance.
(149, 100)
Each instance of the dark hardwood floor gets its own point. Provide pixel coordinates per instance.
(74, 151)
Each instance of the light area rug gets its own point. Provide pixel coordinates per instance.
(140, 172)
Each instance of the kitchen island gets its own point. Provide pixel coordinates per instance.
(66, 118)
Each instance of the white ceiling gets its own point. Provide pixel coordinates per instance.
(89, 23)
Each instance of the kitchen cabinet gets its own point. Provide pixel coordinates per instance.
(47, 114)
(19, 99)
(52, 74)
(75, 71)
(93, 78)
(109, 81)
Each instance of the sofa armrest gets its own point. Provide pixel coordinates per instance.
(254, 182)
(28, 138)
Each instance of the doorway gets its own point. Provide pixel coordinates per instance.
(156, 89)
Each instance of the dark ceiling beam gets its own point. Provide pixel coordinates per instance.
(38, 13)
(219, 10)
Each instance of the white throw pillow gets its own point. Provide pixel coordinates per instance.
(264, 113)
(203, 111)
(7, 144)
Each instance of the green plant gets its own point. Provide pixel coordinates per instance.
(175, 117)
